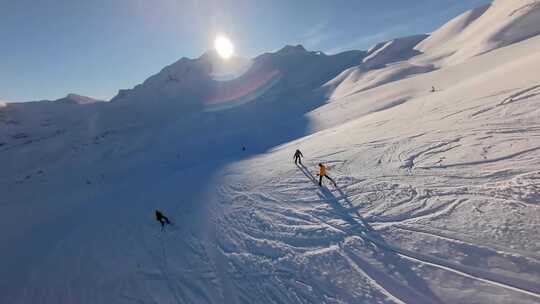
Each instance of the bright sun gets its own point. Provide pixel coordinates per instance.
(224, 47)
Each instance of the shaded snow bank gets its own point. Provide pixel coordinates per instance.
(436, 199)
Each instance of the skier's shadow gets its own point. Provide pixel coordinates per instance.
(307, 173)
(360, 227)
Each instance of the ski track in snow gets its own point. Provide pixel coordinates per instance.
(437, 197)
(337, 212)
(349, 215)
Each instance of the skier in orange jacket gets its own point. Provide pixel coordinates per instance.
(322, 173)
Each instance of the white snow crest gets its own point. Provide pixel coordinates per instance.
(484, 29)
(433, 146)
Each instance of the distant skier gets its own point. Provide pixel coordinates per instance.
(298, 157)
(322, 173)
(433, 89)
(162, 219)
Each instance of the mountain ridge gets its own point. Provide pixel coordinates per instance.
(434, 159)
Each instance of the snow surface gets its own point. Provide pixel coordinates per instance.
(437, 197)
(484, 29)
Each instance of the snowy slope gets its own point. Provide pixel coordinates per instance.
(482, 30)
(388, 52)
(437, 198)
(192, 84)
(475, 32)
(385, 62)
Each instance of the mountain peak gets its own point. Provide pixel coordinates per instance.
(73, 98)
(292, 49)
(210, 55)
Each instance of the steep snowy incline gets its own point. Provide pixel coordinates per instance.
(437, 199)
(385, 62)
(475, 32)
(437, 196)
(484, 29)
(392, 51)
(198, 83)
(78, 173)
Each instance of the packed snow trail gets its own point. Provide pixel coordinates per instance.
(338, 216)
(437, 197)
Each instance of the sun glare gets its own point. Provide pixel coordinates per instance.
(224, 47)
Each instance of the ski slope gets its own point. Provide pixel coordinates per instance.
(437, 197)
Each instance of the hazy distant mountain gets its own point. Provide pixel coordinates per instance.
(78, 99)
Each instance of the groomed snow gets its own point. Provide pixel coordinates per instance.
(437, 197)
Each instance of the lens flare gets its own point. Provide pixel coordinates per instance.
(224, 47)
(230, 94)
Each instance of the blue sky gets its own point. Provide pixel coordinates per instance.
(49, 48)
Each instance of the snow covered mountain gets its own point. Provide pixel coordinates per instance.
(195, 84)
(78, 99)
(437, 197)
(388, 52)
(484, 29)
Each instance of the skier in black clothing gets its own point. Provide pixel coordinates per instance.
(298, 157)
(162, 219)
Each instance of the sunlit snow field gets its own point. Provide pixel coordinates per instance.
(437, 197)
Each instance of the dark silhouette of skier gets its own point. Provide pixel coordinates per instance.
(162, 219)
(433, 89)
(298, 157)
(322, 173)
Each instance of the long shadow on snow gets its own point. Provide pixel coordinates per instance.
(171, 171)
(421, 292)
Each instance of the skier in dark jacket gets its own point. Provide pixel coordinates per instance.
(298, 157)
(162, 219)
